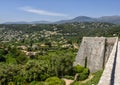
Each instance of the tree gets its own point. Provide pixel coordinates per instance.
(2, 57)
(54, 81)
(22, 58)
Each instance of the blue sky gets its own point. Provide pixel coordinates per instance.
(53, 10)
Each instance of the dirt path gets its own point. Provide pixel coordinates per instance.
(68, 81)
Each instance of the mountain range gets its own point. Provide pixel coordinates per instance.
(108, 19)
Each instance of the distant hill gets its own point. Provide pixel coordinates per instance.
(108, 19)
(78, 19)
(40, 22)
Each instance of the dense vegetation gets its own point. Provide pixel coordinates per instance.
(55, 32)
(40, 54)
(16, 66)
(94, 80)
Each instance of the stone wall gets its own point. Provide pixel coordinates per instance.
(107, 77)
(108, 48)
(117, 67)
(96, 50)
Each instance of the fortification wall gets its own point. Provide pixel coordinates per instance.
(108, 48)
(96, 50)
(107, 77)
(117, 68)
(93, 48)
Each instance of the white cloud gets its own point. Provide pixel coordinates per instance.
(42, 12)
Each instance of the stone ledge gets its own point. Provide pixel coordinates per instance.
(107, 73)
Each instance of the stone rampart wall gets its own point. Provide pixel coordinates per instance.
(107, 76)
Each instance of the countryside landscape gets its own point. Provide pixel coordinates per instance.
(81, 50)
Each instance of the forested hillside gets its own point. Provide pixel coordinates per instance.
(72, 31)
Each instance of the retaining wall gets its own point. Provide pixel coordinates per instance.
(107, 77)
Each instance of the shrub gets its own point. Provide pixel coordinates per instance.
(44, 77)
(95, 79)
(84, 75)
(75, 83)
(21, 59)
(19, 80)
(81, 76)
(37, 83)
(69, 77)
(54, 81)
(78, 69)
(10, 59)
(41, 83)
(86, 71)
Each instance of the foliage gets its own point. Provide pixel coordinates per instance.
(21, 59)
(75, 83)
(69, 77)
(2, 57)
(54, 81)
(94, 80)
(78, 69)
(37, 83)
(83, 75)
(10, 60)
(86, 71)
(54, 45)
(57, 63)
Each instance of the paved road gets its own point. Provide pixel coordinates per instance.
(68, 81)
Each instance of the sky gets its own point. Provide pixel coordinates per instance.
(54, 10)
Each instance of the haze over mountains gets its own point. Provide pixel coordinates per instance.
(33, 22)
(108, 19)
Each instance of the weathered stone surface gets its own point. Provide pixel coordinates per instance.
(93, 49)
(107, 77)
(101, 52)
(117, 68)
(108, 47)
(97, 51)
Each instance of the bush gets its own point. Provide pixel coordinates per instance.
(81, 76)
(37, 83)
(41, 83)
(54, 81)
(19, 80)
(86, 71)
(10, 59)
(78, 69)
(44, 77)
(95, 79)
(75, 83)
(21, 59)
(69, 77)
(84, 75)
